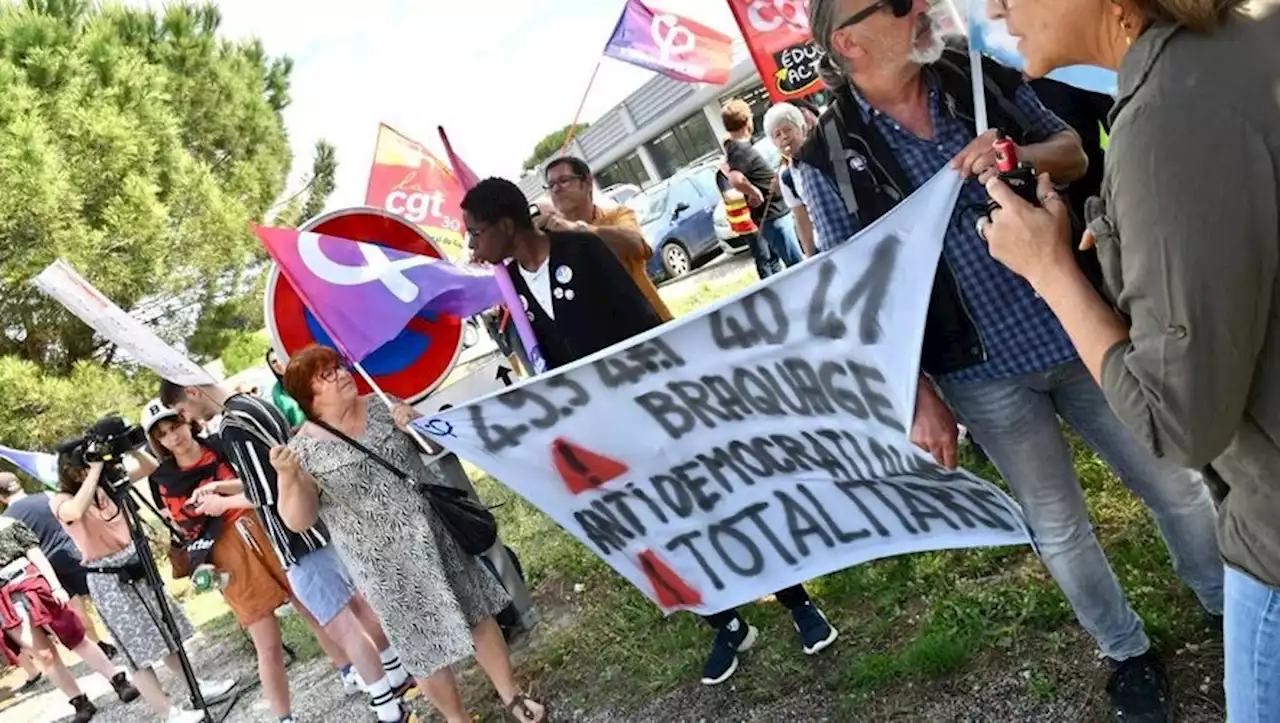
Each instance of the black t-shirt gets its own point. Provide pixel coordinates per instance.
(745, 159)
(34, 512)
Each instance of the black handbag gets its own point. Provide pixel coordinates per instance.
(468, 520)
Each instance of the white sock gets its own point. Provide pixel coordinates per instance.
(383, 701)
(396, 675)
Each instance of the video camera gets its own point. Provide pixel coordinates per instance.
(106, 440)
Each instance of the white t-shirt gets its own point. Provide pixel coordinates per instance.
(793, 200)
(539, 283)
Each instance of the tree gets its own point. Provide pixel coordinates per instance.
(136, 144)
(551, 145)
(323, 169)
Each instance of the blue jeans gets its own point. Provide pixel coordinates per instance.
(1251, 636)
(782, 238)
(1016, 422)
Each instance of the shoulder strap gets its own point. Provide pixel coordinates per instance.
(955, 62)
(369, 452)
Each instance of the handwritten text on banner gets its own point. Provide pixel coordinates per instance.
(761, 443)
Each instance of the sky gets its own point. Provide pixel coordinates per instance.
(497, 74)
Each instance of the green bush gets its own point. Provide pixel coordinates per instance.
(246, 349)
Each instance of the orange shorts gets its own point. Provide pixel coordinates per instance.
(258, 584)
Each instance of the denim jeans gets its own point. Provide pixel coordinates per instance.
(1251, 636)
(767, 262)
(783, 240)
(1016, 422)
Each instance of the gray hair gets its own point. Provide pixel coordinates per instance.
(783, 114)
(822, 22)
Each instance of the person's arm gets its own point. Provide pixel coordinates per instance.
(146, 465)
(218, 505)
(72, 508)
(299, 503)
(1195, 205)
(622, 235)
(831, 221)
(804, 229)
(1060, 154)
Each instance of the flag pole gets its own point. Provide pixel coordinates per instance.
(981, 125)
(429, 447)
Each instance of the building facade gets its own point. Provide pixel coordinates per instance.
(663, 126)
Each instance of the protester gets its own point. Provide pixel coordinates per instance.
(786, 125)
(223, 532)
(498, 222)
(1188, 236)
(285, 403)
(33, 511)
(752, 175)
(125, 601)
(572, 188)
(1002, 362)
(34, 676)
(437, 603)
(33, 607)
(315, 570)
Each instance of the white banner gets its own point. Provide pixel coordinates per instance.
(758, 444)
(489, 378)
(68, 288)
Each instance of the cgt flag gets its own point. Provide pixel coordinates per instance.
(409, 181)
(777, 33)
(754, 445)
(672, 45)
(39, 465)
(364, 294)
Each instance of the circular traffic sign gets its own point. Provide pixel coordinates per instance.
(409, 366)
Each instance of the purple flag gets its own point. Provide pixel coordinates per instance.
(672, 45)
(364, 294)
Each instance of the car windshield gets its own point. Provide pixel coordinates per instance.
(650, 205)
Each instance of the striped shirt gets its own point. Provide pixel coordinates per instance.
(250, 428)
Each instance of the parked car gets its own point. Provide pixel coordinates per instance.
(731, 242)
(677, 218)
(620, 193)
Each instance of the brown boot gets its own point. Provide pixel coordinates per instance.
(85, 710)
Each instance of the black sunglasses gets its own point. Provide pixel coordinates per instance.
(899, 8)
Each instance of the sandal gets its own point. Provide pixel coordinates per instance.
(519, 707)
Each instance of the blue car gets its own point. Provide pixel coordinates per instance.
(677, 217)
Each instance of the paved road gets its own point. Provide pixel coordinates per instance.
(717, 269)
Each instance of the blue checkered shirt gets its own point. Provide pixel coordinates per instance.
(1019, 332)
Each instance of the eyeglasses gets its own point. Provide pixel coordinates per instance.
(560, 182)
(899, 8)
(477, 232)
(330, 375)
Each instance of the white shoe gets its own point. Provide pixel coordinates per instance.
(180, 715)
(351, 683)
(215, 691)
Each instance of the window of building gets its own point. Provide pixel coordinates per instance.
(687, 141)
(758, 98)
(628, 169)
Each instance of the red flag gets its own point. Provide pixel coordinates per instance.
(409, 181)
(781, 45)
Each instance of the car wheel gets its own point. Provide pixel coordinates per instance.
(675, 259)
(470, 334)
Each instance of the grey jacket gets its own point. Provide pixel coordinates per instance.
(1189, 241)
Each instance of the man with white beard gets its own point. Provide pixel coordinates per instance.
(994, 356)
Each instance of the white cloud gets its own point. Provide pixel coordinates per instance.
(497, 74)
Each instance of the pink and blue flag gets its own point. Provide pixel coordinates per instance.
(39, 465)
(364, 294)
(671, 44)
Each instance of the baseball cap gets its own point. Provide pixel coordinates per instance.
(156, 412)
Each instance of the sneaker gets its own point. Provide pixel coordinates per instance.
(31, 684)
(181, 715)
(216, 691)
(85, 710)
(123, 688)
(737, 637)
(108, 650)
(1139, 690)
(815, 632)
(351, 683)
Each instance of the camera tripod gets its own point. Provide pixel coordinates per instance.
(116, 483)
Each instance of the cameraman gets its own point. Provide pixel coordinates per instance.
(117, 584)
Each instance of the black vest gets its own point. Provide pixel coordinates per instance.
(871, 181)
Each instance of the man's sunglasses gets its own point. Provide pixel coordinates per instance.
(899, 8)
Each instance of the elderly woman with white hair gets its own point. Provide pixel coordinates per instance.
(787, 126)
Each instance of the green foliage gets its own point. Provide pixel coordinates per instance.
(551, 145)
(138, 145)
(323, 169)
(245, 350)
(41, 408)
